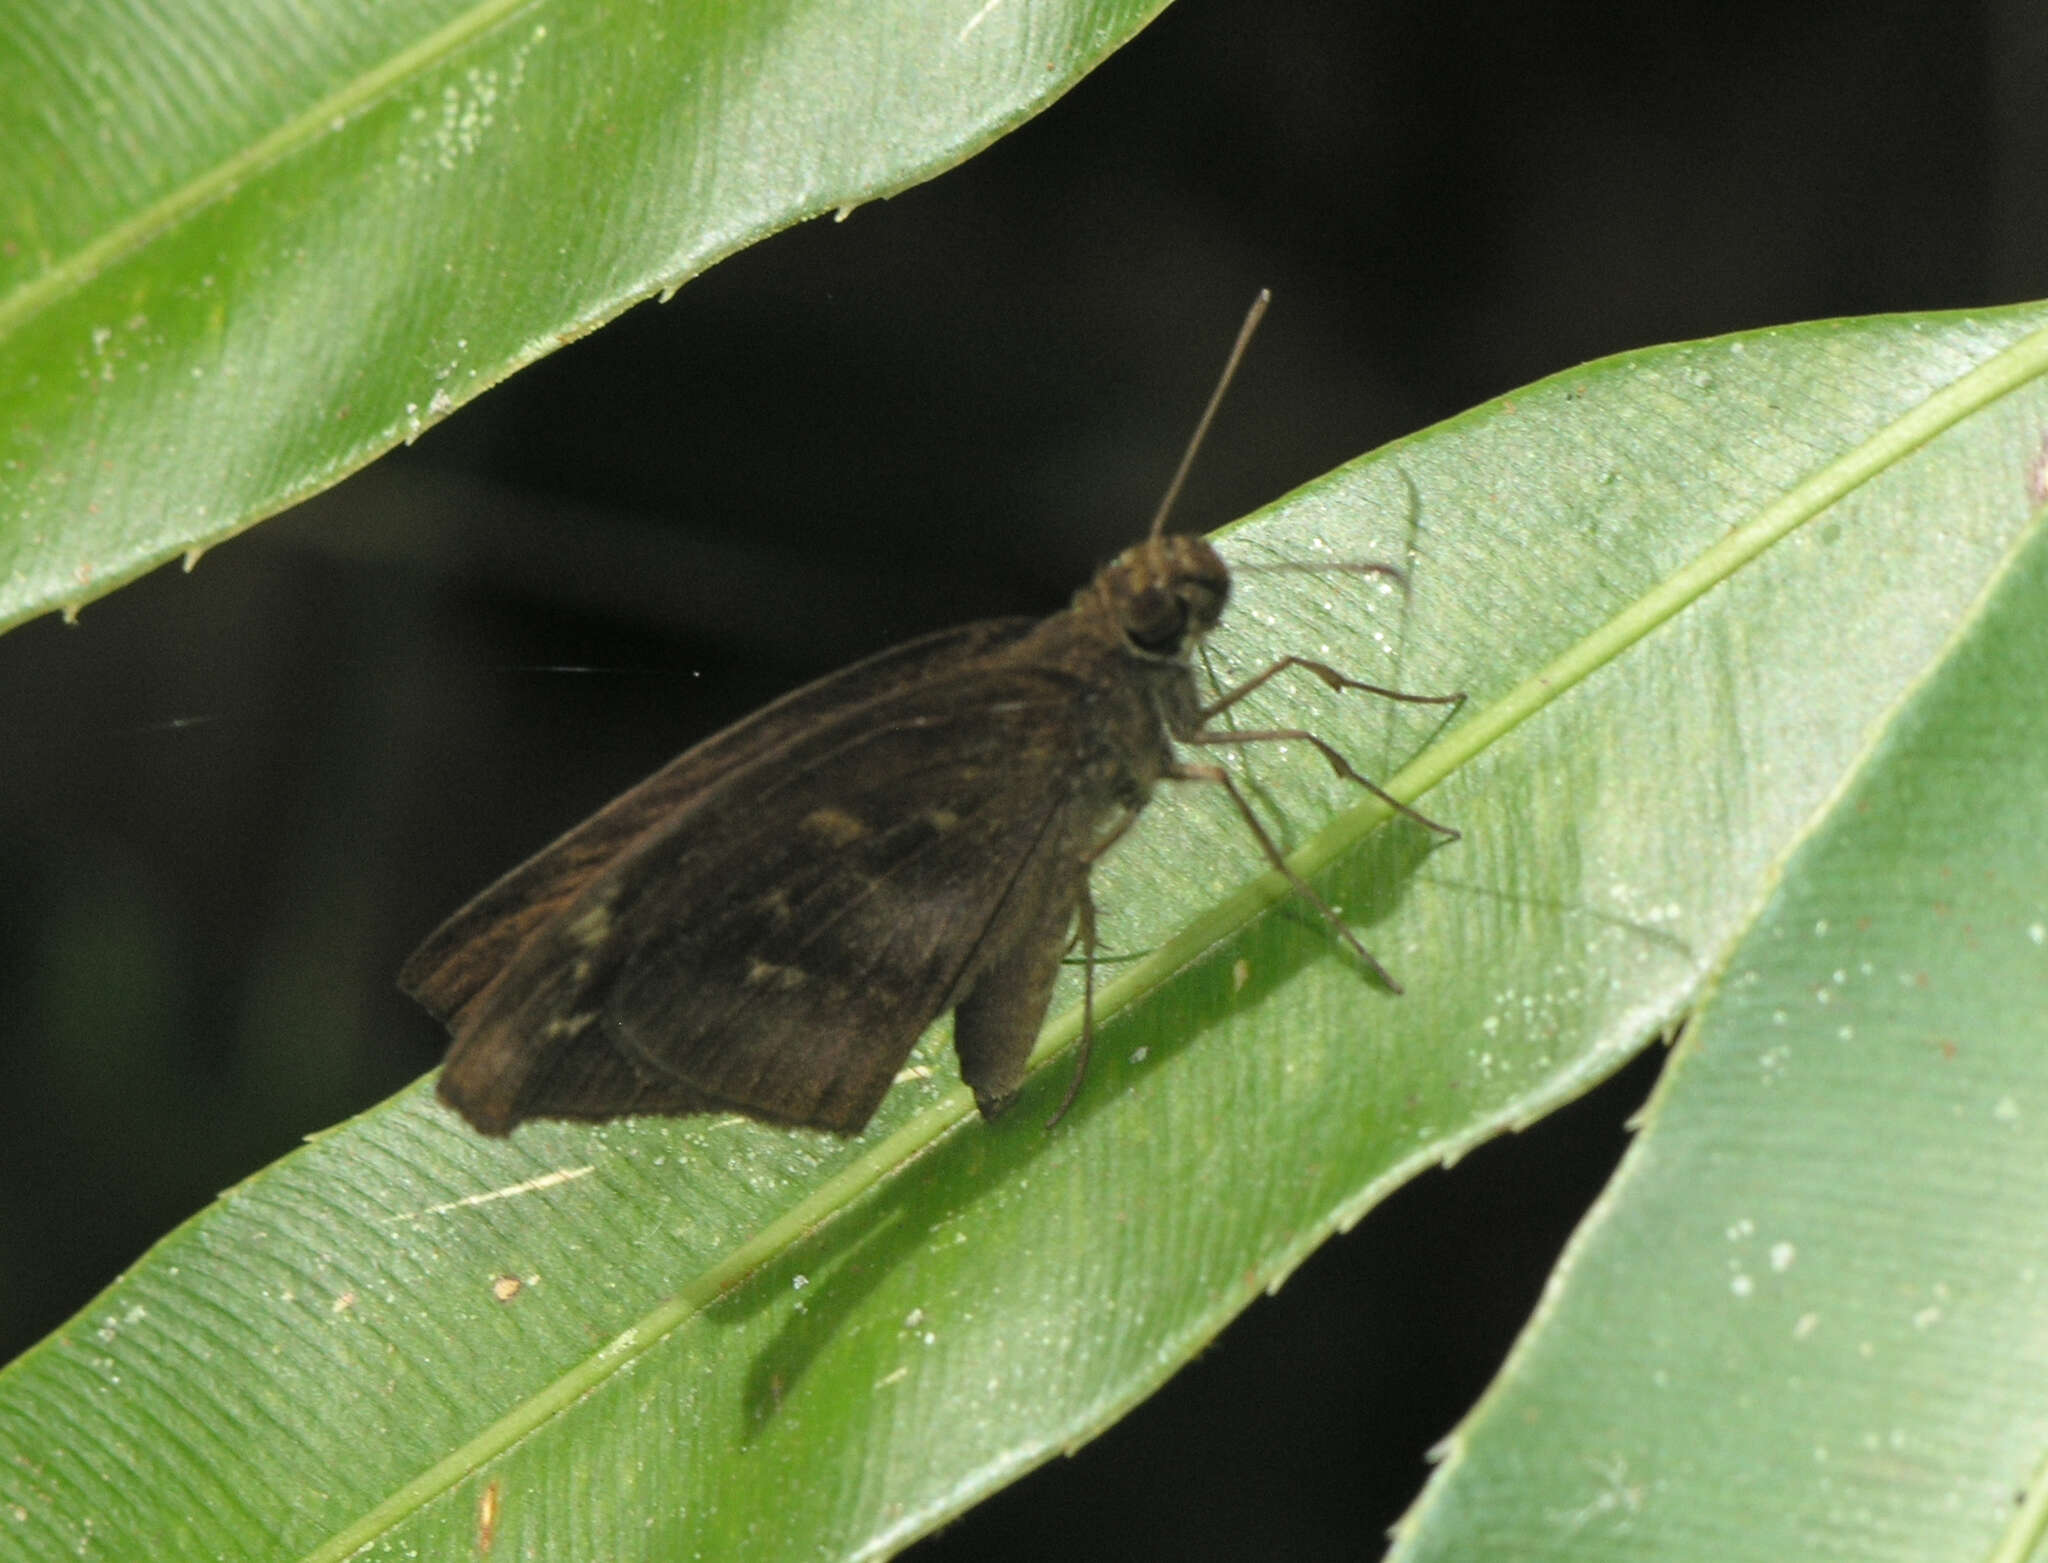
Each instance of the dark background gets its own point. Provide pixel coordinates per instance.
(231, 801)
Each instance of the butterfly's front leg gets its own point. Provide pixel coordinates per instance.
(1329, 675)
(1196, 731)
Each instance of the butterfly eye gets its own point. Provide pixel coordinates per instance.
(1156, 620)
(1203, 603)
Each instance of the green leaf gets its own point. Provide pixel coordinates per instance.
(246, 247)
(1696, 592)
(1805, 1320)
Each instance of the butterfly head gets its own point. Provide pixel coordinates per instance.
(1164, 594)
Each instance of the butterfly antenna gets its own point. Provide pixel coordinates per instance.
(1252, 317)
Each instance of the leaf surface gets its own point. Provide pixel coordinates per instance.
(1805, 1320)
(246, 246)
(1692, 591)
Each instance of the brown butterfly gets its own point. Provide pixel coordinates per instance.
(767, 924)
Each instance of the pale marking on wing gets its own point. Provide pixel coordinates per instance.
(767, 974)
(591, 927)
(835, 827)
(546, 1180)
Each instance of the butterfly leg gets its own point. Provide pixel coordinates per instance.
(1197, 731)
(1084, 935)
(1337, 761)
(1329, 675)
(1222, 778)
(1084, 932)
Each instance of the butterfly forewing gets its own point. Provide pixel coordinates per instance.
(827, 897)
(465, 953)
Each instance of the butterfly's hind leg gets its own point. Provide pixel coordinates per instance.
(1084, 935)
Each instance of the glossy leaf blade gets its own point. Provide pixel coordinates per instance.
(1805, 1320)
(244, 248)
